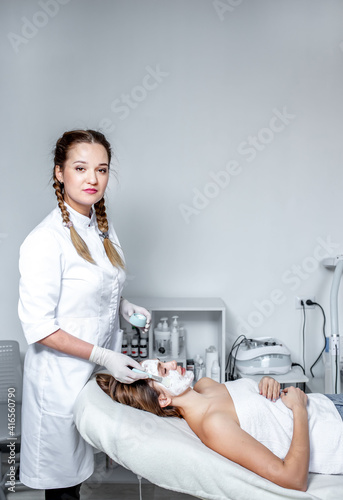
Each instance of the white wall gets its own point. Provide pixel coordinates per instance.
(180, 87)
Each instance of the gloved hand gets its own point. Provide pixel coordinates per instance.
(127, 309)
(117, 364)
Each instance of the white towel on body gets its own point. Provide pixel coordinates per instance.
(272, 425)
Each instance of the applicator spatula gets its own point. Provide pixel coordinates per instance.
(161, 380)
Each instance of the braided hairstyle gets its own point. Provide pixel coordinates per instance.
(63, 145)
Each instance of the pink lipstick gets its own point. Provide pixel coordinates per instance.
(90, 191)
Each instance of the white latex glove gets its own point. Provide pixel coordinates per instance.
(127, 309)
(117, 364)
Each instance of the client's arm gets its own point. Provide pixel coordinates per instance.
(224, 436)
(298, 456)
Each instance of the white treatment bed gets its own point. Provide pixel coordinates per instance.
(167, 453)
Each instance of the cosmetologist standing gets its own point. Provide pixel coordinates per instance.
(72, 275)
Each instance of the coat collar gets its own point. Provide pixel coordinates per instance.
(79, 220)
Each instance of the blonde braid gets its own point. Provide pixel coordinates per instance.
(79, 244)
(110, 249)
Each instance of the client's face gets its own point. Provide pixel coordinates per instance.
(178, 380)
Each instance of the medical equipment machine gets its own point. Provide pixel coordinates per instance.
(262, 355)
(333, 385)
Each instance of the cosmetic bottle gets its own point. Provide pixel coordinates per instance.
(190, 365)
(129, 335)
(182, 339)
(124, 349)
(201, 368)
(162, 338)
(143, 348)
(165, 326)
(174, 342)
(211, 357)
(175, 323)
(134, 348)
(145, 336)
(215, 375)
(198, 367)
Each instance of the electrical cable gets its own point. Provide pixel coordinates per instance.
(298, 364)
(311, 303)
(304, 323)
(229, 359)
(231, 363)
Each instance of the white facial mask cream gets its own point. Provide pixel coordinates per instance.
(151, 366)
(177, 383)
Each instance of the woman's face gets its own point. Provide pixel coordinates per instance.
(179, 379)
(85, 176)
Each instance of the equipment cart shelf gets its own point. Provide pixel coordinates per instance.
(203, 320)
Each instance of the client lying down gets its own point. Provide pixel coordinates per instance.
(281, 438)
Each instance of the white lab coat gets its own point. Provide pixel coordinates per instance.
(59, 289)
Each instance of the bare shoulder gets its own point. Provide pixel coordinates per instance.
(206, 383)
(215, 423)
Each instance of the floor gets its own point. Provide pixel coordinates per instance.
(109, 482)
(109, 492)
